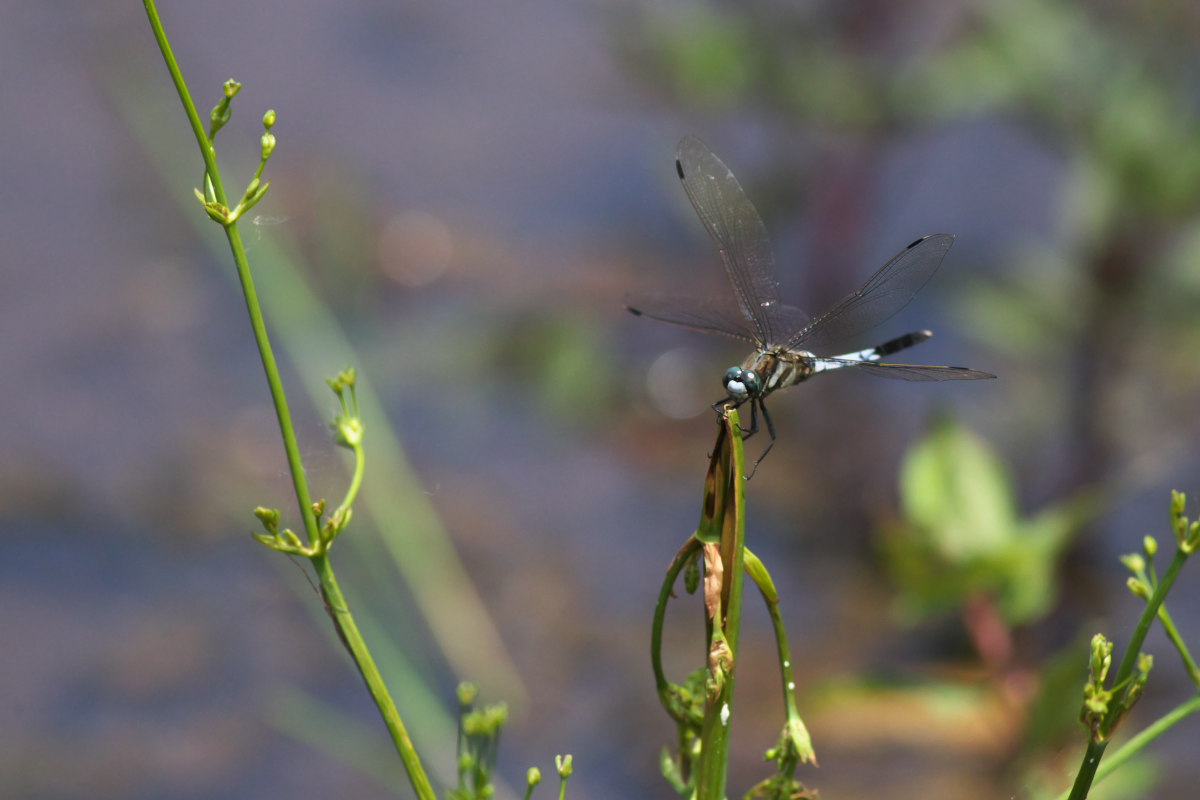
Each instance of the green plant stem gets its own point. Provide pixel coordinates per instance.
(1143, 738)
(1172, 632)
(712, 771)
(337, 607)
(766, 586)
(360, 468)
(347, 630)
(278, 398)
(661, 683)
(1095, 749)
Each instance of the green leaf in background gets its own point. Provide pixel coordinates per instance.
(961, 537)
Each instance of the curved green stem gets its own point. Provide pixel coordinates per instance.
(685, 554)
(360, 464)
(795, 733)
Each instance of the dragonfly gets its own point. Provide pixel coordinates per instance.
(784, 338)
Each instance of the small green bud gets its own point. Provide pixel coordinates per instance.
(1134, 563)
(468, 693)
(533, 777)
(1133, 691)
(495, 716)
(348, 432)
(232, 87)
(564, 765)
(1138, 588)
(1150, 545)
(269, 517)
(1101, 658)
(318, 508)
(256, 195)
(269, 119)
(268, 145)
(1178, 521)
(1192, 541)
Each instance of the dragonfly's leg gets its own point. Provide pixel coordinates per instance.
(770, 432)
(721, 406)
(753, 429)
(767, 418)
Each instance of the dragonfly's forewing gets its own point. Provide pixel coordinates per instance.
(707, 316)
(739, 233)
(886, 292)
(710, 316)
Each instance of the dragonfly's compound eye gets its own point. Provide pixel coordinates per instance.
(752, 381)
(742, 383)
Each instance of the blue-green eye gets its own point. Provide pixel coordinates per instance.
(742, 383)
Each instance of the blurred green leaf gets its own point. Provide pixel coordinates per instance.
(708, 57)
(961, 536)
(954, 489)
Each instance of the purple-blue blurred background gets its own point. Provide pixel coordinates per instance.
(475, 187)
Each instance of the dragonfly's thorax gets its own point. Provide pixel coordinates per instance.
(764, 371)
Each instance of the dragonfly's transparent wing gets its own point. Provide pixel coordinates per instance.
(738, 232)
(707, 316)
(909, 372)
(886, 292)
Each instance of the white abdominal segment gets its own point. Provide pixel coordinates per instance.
(870, 354)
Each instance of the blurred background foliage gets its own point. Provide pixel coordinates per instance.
(461, 197)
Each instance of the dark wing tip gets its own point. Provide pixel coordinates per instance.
(949, 236)
(679, 168)
(634, 311)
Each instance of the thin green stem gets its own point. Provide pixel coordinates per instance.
(360, 464)
(762, 579)
(206, 147)
(1172, 632)
(253, 308)
(1138, 742)
(336, 603)
(274, 381)
(347, 630)
(661, 683)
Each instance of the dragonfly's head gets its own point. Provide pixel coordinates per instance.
(742, 384)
